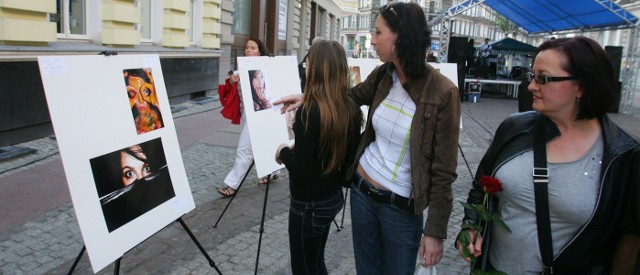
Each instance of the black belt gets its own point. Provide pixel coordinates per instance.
(382, 196)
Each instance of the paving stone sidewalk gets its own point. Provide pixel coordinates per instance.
(50, 242)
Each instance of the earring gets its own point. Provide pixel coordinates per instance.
(393, 51)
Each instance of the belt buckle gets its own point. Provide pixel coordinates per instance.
(374, 194)
(370, 191)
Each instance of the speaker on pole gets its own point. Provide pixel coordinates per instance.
(615, 55)
(458, 54)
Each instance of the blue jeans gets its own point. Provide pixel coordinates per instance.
(385, 238)
(309, 225)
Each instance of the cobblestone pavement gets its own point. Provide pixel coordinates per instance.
(51, 240)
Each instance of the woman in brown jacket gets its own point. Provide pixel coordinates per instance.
(407, 157)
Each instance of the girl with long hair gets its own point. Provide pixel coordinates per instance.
(326, 128)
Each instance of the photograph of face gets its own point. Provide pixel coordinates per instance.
(291, 119)
(261, 99)
(143, 100)
(131, 181)
(355, 75)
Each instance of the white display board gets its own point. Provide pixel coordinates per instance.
(450, 70)
(119, 148)
(363, 66)
(263, 80)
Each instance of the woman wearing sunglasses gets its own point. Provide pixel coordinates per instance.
(592, 197)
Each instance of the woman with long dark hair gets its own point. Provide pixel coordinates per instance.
(326, 130)
(408, 155)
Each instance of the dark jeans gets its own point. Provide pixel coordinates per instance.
(385, 238)
(309, 225)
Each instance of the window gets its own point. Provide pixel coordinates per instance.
(192, 23)
(70, 18)
(241, 17)
(145, 19)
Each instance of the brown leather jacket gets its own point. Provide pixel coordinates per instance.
(433, 140)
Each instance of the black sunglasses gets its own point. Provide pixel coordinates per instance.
(389, 7)
(543, 79)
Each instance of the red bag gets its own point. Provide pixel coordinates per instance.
(222, 93)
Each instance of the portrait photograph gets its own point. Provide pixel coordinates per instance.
(261, 98)
(143, 100)
(355, 75)
(121, 157)
(265, 79)
(131, 181)
(291, 119)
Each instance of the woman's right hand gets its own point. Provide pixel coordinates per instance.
(475, 247)
(234, 78)
(291, 102)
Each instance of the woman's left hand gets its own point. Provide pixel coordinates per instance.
(291, 102)
(431, 250)
(278, 160)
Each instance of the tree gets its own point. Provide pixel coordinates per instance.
(506, 26)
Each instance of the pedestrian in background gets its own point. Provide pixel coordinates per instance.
(244, 154)
(593, 197)
(408, 154)
(356, 51)
(326, 127)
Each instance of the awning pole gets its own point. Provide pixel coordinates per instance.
(630, 75)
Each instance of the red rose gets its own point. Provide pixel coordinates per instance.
(490, 184)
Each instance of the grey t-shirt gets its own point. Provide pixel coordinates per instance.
(573, 191)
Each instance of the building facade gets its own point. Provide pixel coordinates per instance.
(184, 33)
(197, 41)
(475, 23)
(287, 27)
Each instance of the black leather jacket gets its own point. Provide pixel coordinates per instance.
(618, 206)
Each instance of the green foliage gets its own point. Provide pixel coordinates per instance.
(505, 25)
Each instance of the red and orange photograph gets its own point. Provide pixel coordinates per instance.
(143, 100)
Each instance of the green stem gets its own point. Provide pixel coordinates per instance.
(485, 199)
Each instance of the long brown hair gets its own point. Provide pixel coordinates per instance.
(327, 85)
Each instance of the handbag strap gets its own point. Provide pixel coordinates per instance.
(540, 181)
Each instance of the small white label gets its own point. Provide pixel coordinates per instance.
(179, 205)
(53, 65)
